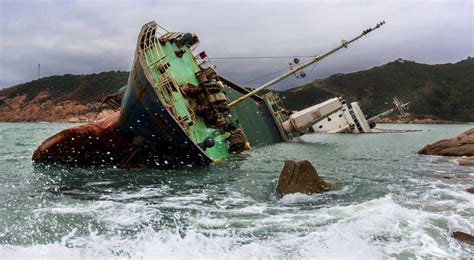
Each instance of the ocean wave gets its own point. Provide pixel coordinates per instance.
(379, 228)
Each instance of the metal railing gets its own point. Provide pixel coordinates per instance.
(164, 83)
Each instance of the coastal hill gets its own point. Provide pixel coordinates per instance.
(66, 98)
(443, 91)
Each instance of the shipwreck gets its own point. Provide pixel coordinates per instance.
(177, 110)
(351, 119)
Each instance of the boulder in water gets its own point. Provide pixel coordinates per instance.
(461, 145)
(300, 177)
(470, 190)
(450, 176)
(464, 237)
(468, 161)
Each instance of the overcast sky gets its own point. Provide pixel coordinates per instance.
(87, 36)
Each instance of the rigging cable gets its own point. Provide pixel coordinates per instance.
(264, 57)
(264, 76)
(261, 57)
(307, 77)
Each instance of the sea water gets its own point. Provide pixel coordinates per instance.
(387, 202)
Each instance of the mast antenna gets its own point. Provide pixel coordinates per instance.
(314, 59)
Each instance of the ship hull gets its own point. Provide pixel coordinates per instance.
(153, 129)
(142, 134)
(173, 113)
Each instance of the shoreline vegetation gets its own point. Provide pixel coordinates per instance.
(439, 94)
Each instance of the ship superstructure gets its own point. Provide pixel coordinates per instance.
(351, 119)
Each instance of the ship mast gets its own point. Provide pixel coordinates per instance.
(398, 105)
(313, 60)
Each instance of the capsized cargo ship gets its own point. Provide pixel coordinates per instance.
(351, 119)
(176, 110)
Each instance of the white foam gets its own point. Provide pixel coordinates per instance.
(378, 228)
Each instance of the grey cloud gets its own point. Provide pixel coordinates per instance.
(86, 36)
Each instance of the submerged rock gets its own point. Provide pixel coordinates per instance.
(461, 145)
(450, 176)
(302, 177)
(468, 161)
(470, 190)
(464, 237)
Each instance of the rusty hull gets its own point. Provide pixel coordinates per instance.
(97, 143)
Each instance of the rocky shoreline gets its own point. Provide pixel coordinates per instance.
(74, 112)
(42, 109)
(459, 146)
(39, 109)
(422, 119)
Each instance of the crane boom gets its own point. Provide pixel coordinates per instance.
(313, 60)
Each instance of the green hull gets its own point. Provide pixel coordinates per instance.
(194, 95)
(173, 111)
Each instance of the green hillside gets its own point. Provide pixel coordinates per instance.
(445, 91)
(81, 88)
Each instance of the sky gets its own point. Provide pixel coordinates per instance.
(90, 36)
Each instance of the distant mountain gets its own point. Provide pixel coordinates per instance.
(444, 91)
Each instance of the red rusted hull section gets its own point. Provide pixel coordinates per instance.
(98, 143)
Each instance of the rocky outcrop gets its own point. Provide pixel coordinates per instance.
(464, 237)
(468, 161)
(415, 119)
(462, 145)
(300, 177)
(40, 108)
